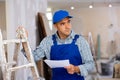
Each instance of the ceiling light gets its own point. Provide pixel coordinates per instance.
(72, 7)
(110, 5)
(90, 6)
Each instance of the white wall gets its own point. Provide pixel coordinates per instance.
(23, 13)
(98, 21)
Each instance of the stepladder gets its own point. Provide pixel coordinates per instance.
(9, 68)
(95, 71)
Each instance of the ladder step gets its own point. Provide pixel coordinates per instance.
(11, 63)
(14, 41)
(19, 67)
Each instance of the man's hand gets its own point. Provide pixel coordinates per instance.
(71, 69)
(21, 31)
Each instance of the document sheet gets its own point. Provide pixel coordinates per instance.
(57, 63)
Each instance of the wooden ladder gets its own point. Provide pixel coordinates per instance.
(8, 71)
(91, 43)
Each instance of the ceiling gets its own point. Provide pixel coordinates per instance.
(80, 3)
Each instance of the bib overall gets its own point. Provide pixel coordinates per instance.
(63, 52)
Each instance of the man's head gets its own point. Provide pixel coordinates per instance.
(61, 21)
(60, 15)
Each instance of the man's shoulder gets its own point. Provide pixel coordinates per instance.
(81, 38)
(47, 38)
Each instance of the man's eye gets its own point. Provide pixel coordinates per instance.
(62, 24)
(69, 21)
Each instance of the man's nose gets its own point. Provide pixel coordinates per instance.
(67, 25)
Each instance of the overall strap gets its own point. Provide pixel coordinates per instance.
(54, 39)
(75, 38)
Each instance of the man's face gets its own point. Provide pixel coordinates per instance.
(64, 28)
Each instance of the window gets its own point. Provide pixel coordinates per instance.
(49, 17)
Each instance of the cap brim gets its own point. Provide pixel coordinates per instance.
(69, 16)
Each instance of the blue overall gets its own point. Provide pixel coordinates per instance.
(63, 52)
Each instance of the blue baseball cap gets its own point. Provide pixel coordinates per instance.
(60, 15)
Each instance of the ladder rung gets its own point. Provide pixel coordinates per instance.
(19, 67)
(14, 41)
(11, 63)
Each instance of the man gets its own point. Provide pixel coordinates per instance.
(66, 44)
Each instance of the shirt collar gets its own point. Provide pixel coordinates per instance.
(72, 34)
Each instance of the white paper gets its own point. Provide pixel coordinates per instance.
(57, 63)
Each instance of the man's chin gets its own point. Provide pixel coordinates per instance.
(67, 34)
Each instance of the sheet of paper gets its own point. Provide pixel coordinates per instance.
(57, 63)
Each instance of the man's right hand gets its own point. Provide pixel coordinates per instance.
(21, 32)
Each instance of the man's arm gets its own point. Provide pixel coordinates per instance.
(87, 58)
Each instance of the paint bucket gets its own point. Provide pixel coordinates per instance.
(105, 69)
